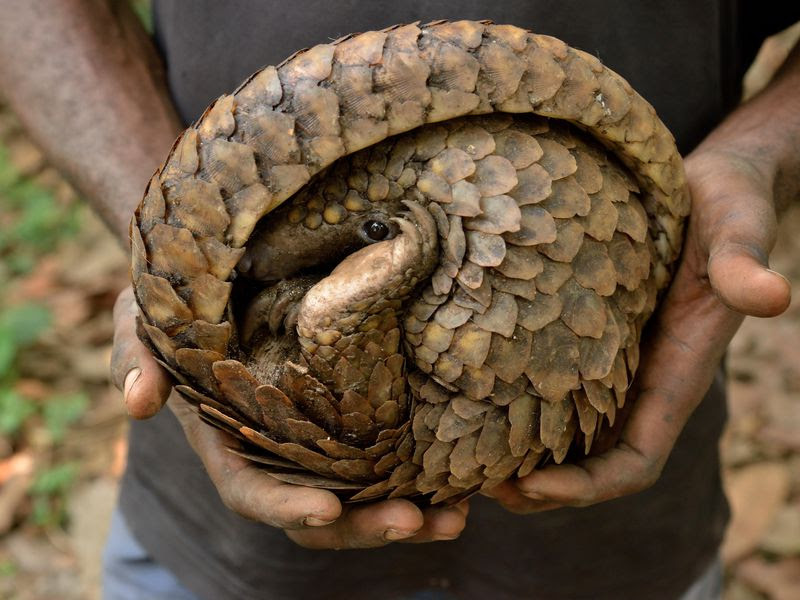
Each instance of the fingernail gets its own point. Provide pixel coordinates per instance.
(533, 495)
(781, 275)
(130, 380)
(315, 522)
(392, 535)
(445, 537)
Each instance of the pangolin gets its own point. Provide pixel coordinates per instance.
(413, 262)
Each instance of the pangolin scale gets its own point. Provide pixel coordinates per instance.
(413, 262)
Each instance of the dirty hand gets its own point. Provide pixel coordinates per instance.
(311, 517)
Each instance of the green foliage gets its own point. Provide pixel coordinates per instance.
(143, 11)
(60, 412)
(8, 568)
(19, 327)
(32, 222)
(8, 174)
(8, 352)
(14, 411)
(54, 480)
(24, 323)
(48, 491)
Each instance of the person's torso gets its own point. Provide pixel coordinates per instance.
(679, 55)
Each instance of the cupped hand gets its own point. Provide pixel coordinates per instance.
(311, 517)
(723, 276)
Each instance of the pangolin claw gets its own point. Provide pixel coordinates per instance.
(419, 227)
(275, 307)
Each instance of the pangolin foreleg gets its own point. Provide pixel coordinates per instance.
(366, 287)
(349, 334)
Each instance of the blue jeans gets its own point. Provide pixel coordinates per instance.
(130, 574)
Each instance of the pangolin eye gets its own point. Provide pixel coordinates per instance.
(375, 230)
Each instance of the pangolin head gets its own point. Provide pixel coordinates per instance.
(348, 231)
(309, 233)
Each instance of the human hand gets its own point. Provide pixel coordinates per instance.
(311, 517)
(722, 276)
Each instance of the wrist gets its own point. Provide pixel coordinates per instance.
(764, 134)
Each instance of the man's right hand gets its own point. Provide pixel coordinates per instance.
(312, 518)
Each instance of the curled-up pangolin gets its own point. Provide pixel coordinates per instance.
(413, 262)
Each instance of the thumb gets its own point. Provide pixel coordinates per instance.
(144, 383)
(735, 221)
(740, 277)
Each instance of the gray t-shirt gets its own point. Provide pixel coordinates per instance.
(686, 58)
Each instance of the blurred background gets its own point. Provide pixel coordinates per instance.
(63, 428)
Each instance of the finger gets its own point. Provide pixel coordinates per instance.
(367, 526)
(441, 524)
(621, 471)
(144, 383)
(742, 280)
(739, 221)
(509, 496)
(246, 489)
